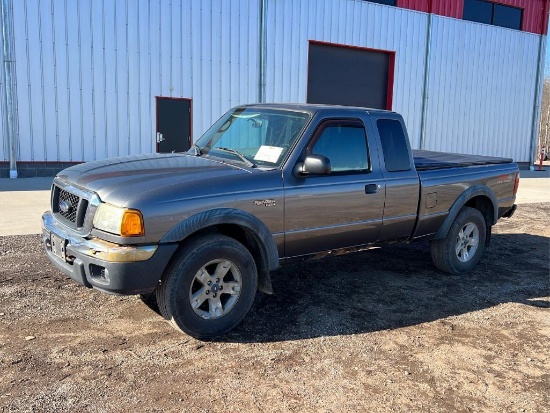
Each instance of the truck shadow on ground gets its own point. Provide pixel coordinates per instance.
(393, 287)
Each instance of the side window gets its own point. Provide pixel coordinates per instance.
(394, 145)
(345, 145)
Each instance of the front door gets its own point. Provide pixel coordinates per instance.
(343, 209)
(173, 124)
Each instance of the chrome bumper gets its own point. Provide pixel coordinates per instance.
(96, 248)
(103, 265)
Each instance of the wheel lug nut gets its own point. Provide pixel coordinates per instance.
(214, 295)
(207, 292)
(217, 280)
(209, 283)
(221, 287)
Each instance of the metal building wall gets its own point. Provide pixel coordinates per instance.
(4, 146)
(292, 24)
(481, 89)
(88, 71)
(481, 82)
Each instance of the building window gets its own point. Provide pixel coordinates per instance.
(386, 2)
(506, 16)
(483, 11)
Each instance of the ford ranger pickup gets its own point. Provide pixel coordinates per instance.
(265, 185)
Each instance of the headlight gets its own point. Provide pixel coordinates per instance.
(120, 221)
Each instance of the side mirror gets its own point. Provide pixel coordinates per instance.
(314, 165)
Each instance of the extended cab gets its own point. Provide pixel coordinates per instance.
(267, 184)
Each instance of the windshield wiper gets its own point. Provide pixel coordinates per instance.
(246, 161)
(195, 150)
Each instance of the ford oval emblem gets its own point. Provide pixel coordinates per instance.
(65, 207)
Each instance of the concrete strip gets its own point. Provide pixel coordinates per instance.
(533, 190)
(21, 211)
(24, 200)
(22, 203)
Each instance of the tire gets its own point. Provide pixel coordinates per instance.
(461, 249)
(209, 287)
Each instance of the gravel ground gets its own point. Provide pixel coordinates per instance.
(374, 331)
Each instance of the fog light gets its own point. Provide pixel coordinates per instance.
(99, 274)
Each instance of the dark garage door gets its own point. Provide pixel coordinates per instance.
(349, 76)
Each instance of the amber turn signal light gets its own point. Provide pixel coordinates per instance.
(132, 224)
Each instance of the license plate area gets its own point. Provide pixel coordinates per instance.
(58, 246)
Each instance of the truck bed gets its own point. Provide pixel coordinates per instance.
(427, 160)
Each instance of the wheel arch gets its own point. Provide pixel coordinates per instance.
(479, 197)
(239, 225)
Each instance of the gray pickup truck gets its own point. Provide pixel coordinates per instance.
(265, 185)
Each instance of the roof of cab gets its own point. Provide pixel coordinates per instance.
(313, 108)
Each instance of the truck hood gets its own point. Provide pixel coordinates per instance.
(117, 180)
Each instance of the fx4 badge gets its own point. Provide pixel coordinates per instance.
(265, 202)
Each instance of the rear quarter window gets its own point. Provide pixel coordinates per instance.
(394, 145)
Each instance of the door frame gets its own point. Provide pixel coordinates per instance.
(157, 118)
(313, 186)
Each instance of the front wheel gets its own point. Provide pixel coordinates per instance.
(210, 286)
(461, 249)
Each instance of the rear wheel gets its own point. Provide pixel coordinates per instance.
(461, 249)
(210, 286)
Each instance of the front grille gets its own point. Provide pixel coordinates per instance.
(70, 207)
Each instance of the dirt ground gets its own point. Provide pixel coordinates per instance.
(375, 331)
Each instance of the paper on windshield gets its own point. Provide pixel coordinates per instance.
(268, 154)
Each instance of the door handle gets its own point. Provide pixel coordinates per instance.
(160, 138)
(371, 188)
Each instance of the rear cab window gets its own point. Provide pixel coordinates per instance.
(394, 145)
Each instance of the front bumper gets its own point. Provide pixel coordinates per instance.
(103, 265)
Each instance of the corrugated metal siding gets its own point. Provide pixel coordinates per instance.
(4, 147)
(482, 86)
(351, 23)
(474, 107)
(88, 71)
(4, 137)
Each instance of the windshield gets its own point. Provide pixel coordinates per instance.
(256, 137)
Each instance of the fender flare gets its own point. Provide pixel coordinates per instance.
(472, 192)
(218, 216)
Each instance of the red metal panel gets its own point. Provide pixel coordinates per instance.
(418, 5)
(535, 12)
(449, 8)
(544, 29)
(391, 78)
